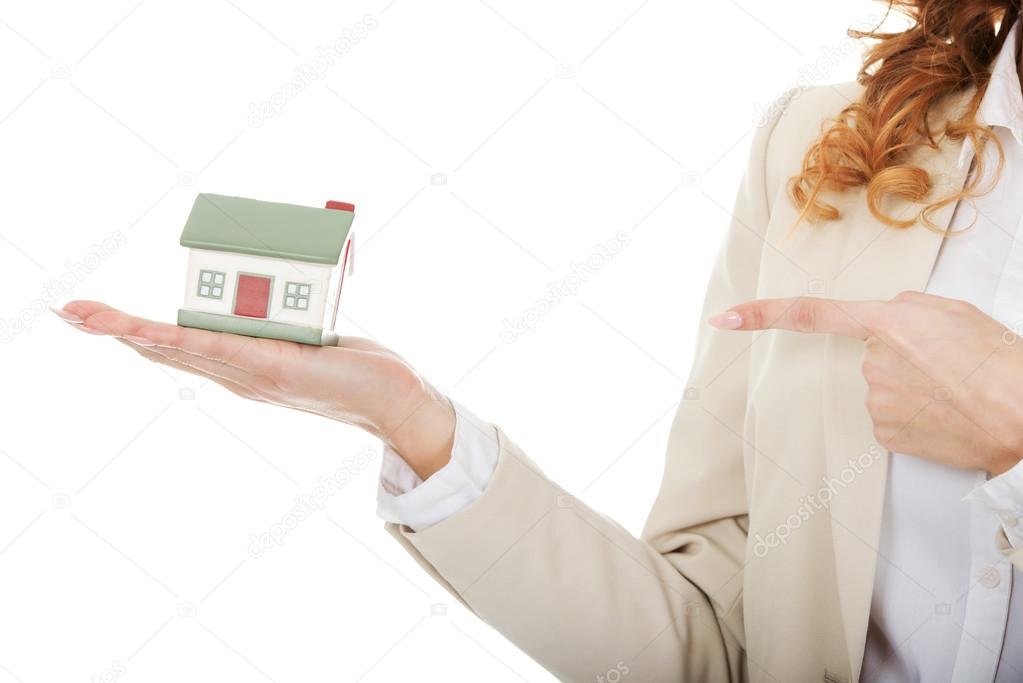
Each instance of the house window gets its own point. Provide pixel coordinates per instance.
(296, 295)
(211, 284)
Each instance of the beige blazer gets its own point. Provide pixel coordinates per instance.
(735, 578)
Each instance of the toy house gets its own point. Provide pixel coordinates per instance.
(264, 269)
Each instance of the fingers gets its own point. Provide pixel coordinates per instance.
(252, 355)
(215, 370)
(222, 379)
(98, 317)
(260, 366)
(113, 322)
(802, 314)
(83, 309)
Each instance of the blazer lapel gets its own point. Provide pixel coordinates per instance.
(876, 262)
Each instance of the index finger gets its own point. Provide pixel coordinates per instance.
(802, 314)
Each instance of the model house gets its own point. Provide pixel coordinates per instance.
(264, 269)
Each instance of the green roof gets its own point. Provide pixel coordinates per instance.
(249, 226)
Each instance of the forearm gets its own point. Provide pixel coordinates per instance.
(571, 588)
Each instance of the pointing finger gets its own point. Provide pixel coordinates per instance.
(802, 314)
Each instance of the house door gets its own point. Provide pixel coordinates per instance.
(252, 298)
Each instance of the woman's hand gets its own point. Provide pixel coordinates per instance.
(359, 382)
(945, 381)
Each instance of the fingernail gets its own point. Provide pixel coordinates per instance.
(67, 316)
(727, 321)
(89, 330)
(138, 341)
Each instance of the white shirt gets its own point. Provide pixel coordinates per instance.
(943, 606)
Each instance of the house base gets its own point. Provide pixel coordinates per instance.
(253, 327)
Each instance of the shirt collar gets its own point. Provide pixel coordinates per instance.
(1002, 105)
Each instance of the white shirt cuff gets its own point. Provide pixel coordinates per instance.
(1004, 496)
(404, 498)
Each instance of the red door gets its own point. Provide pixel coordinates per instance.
(253, 296)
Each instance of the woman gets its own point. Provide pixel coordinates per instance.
(787, 543)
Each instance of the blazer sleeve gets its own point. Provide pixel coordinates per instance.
(577, 592)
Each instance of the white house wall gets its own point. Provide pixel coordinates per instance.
(281, 271)
(335, 281)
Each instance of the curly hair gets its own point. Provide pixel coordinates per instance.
(948, 49)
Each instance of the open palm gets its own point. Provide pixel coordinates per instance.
(358, 382)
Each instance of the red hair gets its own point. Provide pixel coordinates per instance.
(948, 49)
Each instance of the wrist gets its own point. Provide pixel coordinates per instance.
(423, 433)
(1003, 422)
(988, 402)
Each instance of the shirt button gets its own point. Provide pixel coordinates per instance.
(990, 578)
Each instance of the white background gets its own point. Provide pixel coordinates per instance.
(488, 146)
